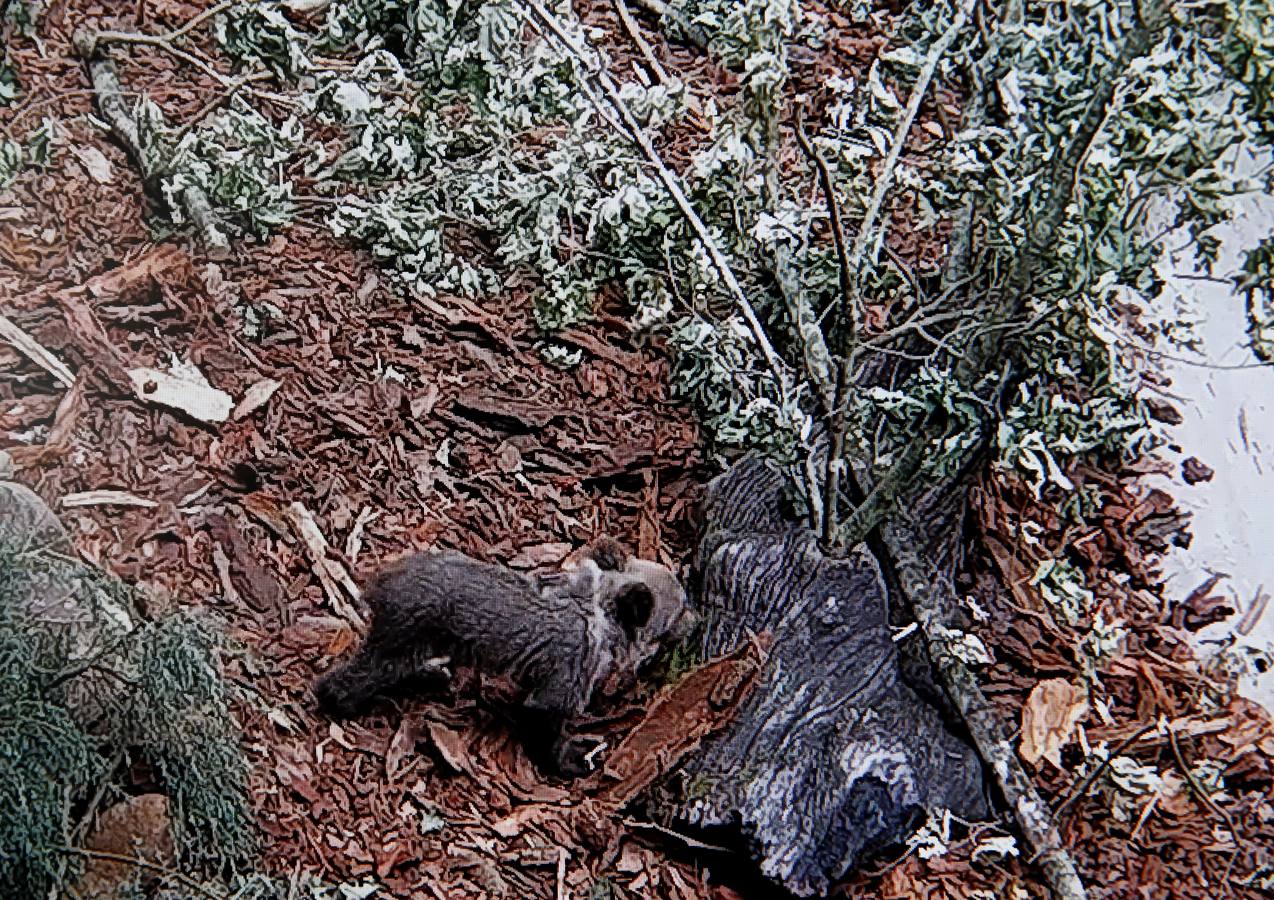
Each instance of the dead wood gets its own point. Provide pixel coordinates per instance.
(118, 113)
(833, 755)
(933, 601)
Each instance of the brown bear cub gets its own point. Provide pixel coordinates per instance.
(557, 637)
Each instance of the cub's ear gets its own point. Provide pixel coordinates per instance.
(609, 554)
(633, 603)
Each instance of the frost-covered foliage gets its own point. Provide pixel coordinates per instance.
(236, 158)
(478, 152)
(1257, 282)
(9, 87)
(477, 155)
(1172, 120)
(36, 151)
(261, 34)
(72, 706)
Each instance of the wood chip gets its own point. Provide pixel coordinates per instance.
(184, 388)
(106, 498)
(331, 573)
(354, 541)
(34, 351)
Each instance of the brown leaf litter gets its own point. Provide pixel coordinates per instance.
(365, 425)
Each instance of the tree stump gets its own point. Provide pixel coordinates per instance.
(833, 755)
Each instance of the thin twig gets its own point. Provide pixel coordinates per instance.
(127, 37)
(835, 463)
(224, 97)
(693, 843)
(833, 215)
(1082, 788)
(86, 820)
(630, 25)
(918, 91)
(1199, 792)
(820, 368)
(561, 873)
(137, 862)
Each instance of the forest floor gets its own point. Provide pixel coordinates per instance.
(503, 457)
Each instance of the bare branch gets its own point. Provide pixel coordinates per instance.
(866, 231)
(934, 603)
(110, 101)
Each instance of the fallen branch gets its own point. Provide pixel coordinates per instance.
(934, 604)
(110, 94)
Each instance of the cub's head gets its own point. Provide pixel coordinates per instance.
(648, 603)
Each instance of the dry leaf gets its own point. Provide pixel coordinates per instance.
(256, 396)
(451, 747)
(403, 742)
(95, 163)
(1049, 718)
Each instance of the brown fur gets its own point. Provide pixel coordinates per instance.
(556, 637)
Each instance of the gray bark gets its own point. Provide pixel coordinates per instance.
(833, 755)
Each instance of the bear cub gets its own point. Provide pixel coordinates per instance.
(558, 637)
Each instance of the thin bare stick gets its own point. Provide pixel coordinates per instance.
(126, 37)
(918, 91)
(835, 464)
(561, 873)
(1082, 788)
(693, 843)
(630, 25)
(833, 214)
(1199, 792)
(224, 97)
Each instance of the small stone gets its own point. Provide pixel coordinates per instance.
(1194, 470)
(137, 827)
(1163, 411)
